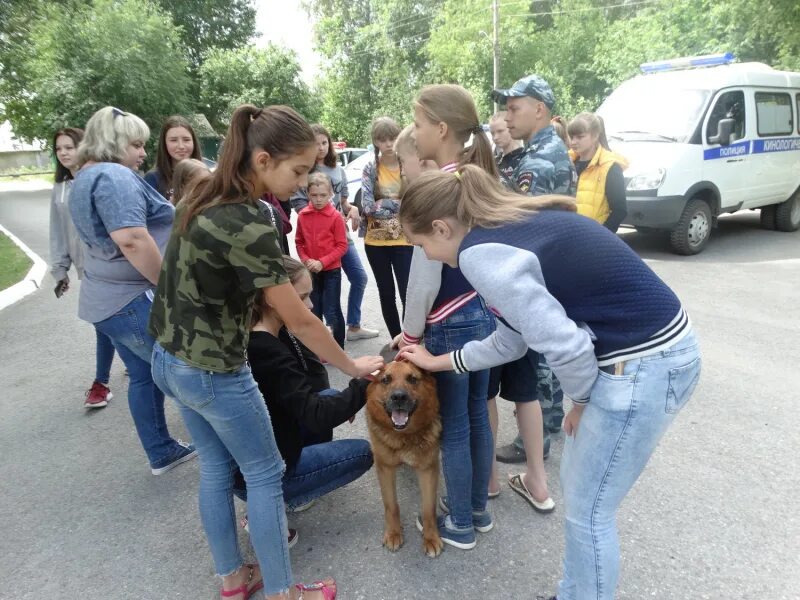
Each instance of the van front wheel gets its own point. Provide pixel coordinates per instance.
(691, 233)
(787, 214)
(768, 217)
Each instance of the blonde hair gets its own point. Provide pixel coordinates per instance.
(453, 105)
(319, 178)
(108, 134)
(471, 197)
(187, 174)
(590, 123)
(499, 115)
(405, 142)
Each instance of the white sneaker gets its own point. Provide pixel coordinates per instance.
(362, 333)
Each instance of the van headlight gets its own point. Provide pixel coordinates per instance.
(647, 180)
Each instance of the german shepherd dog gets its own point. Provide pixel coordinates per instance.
(404, 427)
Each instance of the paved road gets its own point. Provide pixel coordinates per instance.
(714, 516)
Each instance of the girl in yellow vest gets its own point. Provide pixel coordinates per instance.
(601, 186)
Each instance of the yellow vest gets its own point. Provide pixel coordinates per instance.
(591, 197)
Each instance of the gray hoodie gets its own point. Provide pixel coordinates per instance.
(66, 248)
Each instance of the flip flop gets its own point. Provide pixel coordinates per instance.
(517, 484)
(493, 495)
(328, 592)
(247, 589)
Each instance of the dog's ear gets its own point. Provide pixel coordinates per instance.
(376, 375)
(388, 353)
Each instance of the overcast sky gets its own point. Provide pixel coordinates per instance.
(284, 22)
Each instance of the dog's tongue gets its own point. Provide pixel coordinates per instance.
(399, 417)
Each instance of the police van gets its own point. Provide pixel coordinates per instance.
(706, 136)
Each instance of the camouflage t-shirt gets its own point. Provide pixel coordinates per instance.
(209, 278)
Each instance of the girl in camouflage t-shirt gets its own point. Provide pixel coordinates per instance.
(221, 254)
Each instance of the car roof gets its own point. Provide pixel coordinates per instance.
(714, 78)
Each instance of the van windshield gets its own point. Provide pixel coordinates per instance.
(644, 110)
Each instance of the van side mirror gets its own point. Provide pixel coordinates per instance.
(725, 130)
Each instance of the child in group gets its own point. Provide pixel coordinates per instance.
(221, 254)
(66, 251)
(388, 252)
(444, 309)
(176, 142)
(303, 408)
(328, 163)
(188, 173)
(622, 346)
(522, 381)
(508, 151)
(560, 127)
(601, 185)
(321, 243)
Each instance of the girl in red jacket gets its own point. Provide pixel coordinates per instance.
(321, 243)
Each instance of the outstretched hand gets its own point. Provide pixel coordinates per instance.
(365, 365)
(423, 359)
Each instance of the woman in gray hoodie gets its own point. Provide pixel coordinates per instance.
(66, 250)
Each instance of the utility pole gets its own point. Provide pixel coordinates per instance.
(496, 47)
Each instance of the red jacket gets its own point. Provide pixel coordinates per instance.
(321, 236)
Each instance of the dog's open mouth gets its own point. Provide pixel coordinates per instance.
(399, 419)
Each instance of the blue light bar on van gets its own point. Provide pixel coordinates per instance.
(687, 62)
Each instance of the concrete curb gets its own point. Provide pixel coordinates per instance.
(31, 282)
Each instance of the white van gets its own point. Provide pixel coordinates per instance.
(707, 136)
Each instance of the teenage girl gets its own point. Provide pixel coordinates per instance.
(66, 251)
(388, 252)
(622, 347)
(221, 254)
(443, 309)
(187, 173)
(175, 142)
(601, 185)
(328, 163)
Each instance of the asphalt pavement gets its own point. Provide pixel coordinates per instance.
(715, 515)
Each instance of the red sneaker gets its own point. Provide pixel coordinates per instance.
(97, 396)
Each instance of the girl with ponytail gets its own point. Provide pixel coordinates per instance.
(619, 345)
(443, 309)
(221, 255)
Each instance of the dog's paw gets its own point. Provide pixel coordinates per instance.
(392, 540)
(432, 545)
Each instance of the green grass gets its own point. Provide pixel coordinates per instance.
(14, 263)
(27, 174)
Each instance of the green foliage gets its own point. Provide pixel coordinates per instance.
(125, 53)
(379, 53)
(251, 75)
(210, 24)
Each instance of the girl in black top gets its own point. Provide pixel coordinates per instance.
(302, 406)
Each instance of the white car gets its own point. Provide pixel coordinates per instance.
(707, 136)
(354, 170)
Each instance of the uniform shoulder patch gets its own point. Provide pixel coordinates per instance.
(524, 181)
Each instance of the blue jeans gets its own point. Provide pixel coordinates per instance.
(104, 358)
(127, 330)
(326, 300)
(617, 433)
(357, 276)
(467, 445)
(230, 426)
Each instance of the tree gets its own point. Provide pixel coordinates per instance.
(211, 24)
(251, 75)
(125, 53)
(373, 58)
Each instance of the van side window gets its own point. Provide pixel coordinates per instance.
(774, 113)
(730, 105)
(797, 97)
